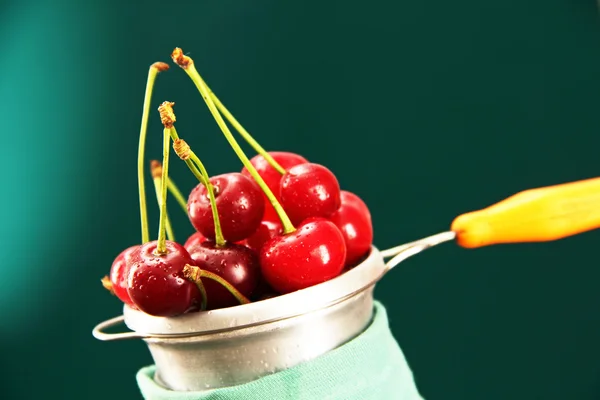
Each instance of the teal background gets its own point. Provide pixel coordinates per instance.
(425, 109)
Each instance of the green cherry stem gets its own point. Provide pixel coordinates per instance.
(156, 172)
(187, 64)
(195, 274)
(155, 69)
(177, 194)
(190, 164)
(199, 284)
(182, 149)
(243, 132)
(161, 247)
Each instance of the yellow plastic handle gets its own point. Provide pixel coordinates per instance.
(535, 215)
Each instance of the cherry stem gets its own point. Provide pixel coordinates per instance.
(177, 194)
(161, 247)
(187, 64)
(152, 73)
(182, 149)
(156, 172)
(243, 132)
(201, 289)
(195, 274)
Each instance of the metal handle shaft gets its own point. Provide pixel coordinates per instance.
(402, 252)
(99, 333)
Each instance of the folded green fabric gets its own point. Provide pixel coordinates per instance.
(370, 367)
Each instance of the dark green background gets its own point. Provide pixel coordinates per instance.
(426, 109)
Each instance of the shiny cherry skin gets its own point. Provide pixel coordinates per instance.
(314, 253)
(240, 204)
(156, 283)
(235, 263)
(354, 221)
(271, 176)
(267, 296)
(263, 291)
(194, 239)
(118, 275)
(309, 190)
(266, 231)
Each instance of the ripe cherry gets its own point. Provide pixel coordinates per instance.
(156, 283)
(266, 296)
(272, 176)
(237, 264)
(354, 221)
(194, 239)
(266, 231)
(314, 253)
(309, 190)
(118, 275)
(239, 202)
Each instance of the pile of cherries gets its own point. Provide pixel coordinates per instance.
(281, 224)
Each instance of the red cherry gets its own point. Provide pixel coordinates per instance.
(194, 239)
(156, 283)
(266, 296)
(309, 190)
(315, 252)
(266, 231)
(118, 275)
(237, 264)
(240, 204)
(263, 291)
(271, 176)
(354, 221)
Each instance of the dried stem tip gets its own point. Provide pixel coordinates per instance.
(160, 66)
(191, 273)
(182, 149)
(167, 116)
(181, 59)
(108, 285)
(155, 169)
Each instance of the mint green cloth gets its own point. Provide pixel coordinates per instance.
(369, 367)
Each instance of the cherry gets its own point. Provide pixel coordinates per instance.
(354, 221)
(117, 281)
(314, 253)
(193, 240)
(266, 230)
(239, 201)
(271, 175)
(119, 271)
(263, 290)
(266, 296)
(237, 264)
(309, 190)
(156, 283)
